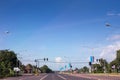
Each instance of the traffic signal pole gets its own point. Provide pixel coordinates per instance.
(37, 61)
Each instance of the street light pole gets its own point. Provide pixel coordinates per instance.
(69, 63)
(104, 67)
(37, 62)
(92, 57)
(114, 28)
(3, 34)
(68, 59)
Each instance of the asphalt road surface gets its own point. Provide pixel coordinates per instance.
(50, 76)
(53, 76)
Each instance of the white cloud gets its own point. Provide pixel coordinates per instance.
(114, 37)
(111, 14)
(109, 52)
(58, 59)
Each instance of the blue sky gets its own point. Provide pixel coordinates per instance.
(59, 28)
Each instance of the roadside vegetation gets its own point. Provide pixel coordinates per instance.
(9, 61)
(103, 66)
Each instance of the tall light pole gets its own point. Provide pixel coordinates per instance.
(91, 57)
(69, 63)
(68, 59)
(4, 33)
(37, 62)
(108, 25)
(90, 48)
(7, 32)
(20, 56)
(117, 37)
(18, 60)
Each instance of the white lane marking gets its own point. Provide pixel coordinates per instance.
(43, 77)
(62, 77)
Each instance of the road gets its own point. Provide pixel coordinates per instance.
(51, 76)
(54, 76)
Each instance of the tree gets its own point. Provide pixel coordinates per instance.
(118, 61)
(22, 68)
(118, 56)
(85, 69)
(45, 69)
(97, 68)
(115, 64)
(101, 67)
(8, 61)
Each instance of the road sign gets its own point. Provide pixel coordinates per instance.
(16, 69)
(91, 59)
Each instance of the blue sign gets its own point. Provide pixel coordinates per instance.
(91, 59)
(69, 65)
(65, 66)
(61, 68)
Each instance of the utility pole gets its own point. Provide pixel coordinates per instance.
(37, 62)
(90, 63)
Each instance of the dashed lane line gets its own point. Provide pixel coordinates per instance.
(43, 77)
(62, 77)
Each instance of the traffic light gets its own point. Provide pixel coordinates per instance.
(44, 59)
(35, 60)
(70, 65)
(97, 60)
(90, 63)
(47, 59)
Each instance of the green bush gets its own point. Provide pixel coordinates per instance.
(11, 72)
